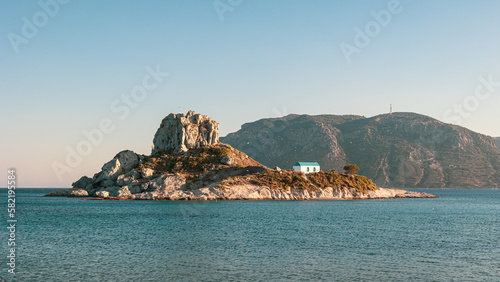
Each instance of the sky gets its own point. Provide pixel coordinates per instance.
(83, 80)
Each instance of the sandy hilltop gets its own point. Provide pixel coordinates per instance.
(189, 163)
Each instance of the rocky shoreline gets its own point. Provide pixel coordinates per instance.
(258, 193)
(189, 163)
(173, 187)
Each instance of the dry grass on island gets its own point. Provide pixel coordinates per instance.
(222, 163)
(287, 180)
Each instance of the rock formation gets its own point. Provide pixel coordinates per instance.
(179, 132)
(188, 163)
(403, 150)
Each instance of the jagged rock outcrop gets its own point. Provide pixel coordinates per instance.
(72, 192)
(399, 150)
(179, 132)
(129, 178)
(123, 161)
(82, 182)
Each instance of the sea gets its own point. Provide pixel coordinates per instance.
(453, 238)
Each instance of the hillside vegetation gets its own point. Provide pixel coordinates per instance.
(285, 180)
(196, 162)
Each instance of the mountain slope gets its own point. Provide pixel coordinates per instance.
(398, 150)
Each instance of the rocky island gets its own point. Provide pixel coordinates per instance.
(189, 163)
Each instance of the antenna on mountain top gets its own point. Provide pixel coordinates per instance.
(390, 112)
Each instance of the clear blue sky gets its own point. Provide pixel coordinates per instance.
(258, 59)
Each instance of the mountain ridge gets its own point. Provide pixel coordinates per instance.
(406, 150)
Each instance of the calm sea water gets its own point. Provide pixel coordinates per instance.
(455, 237)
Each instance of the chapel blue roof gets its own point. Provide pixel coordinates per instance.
(306, 164)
